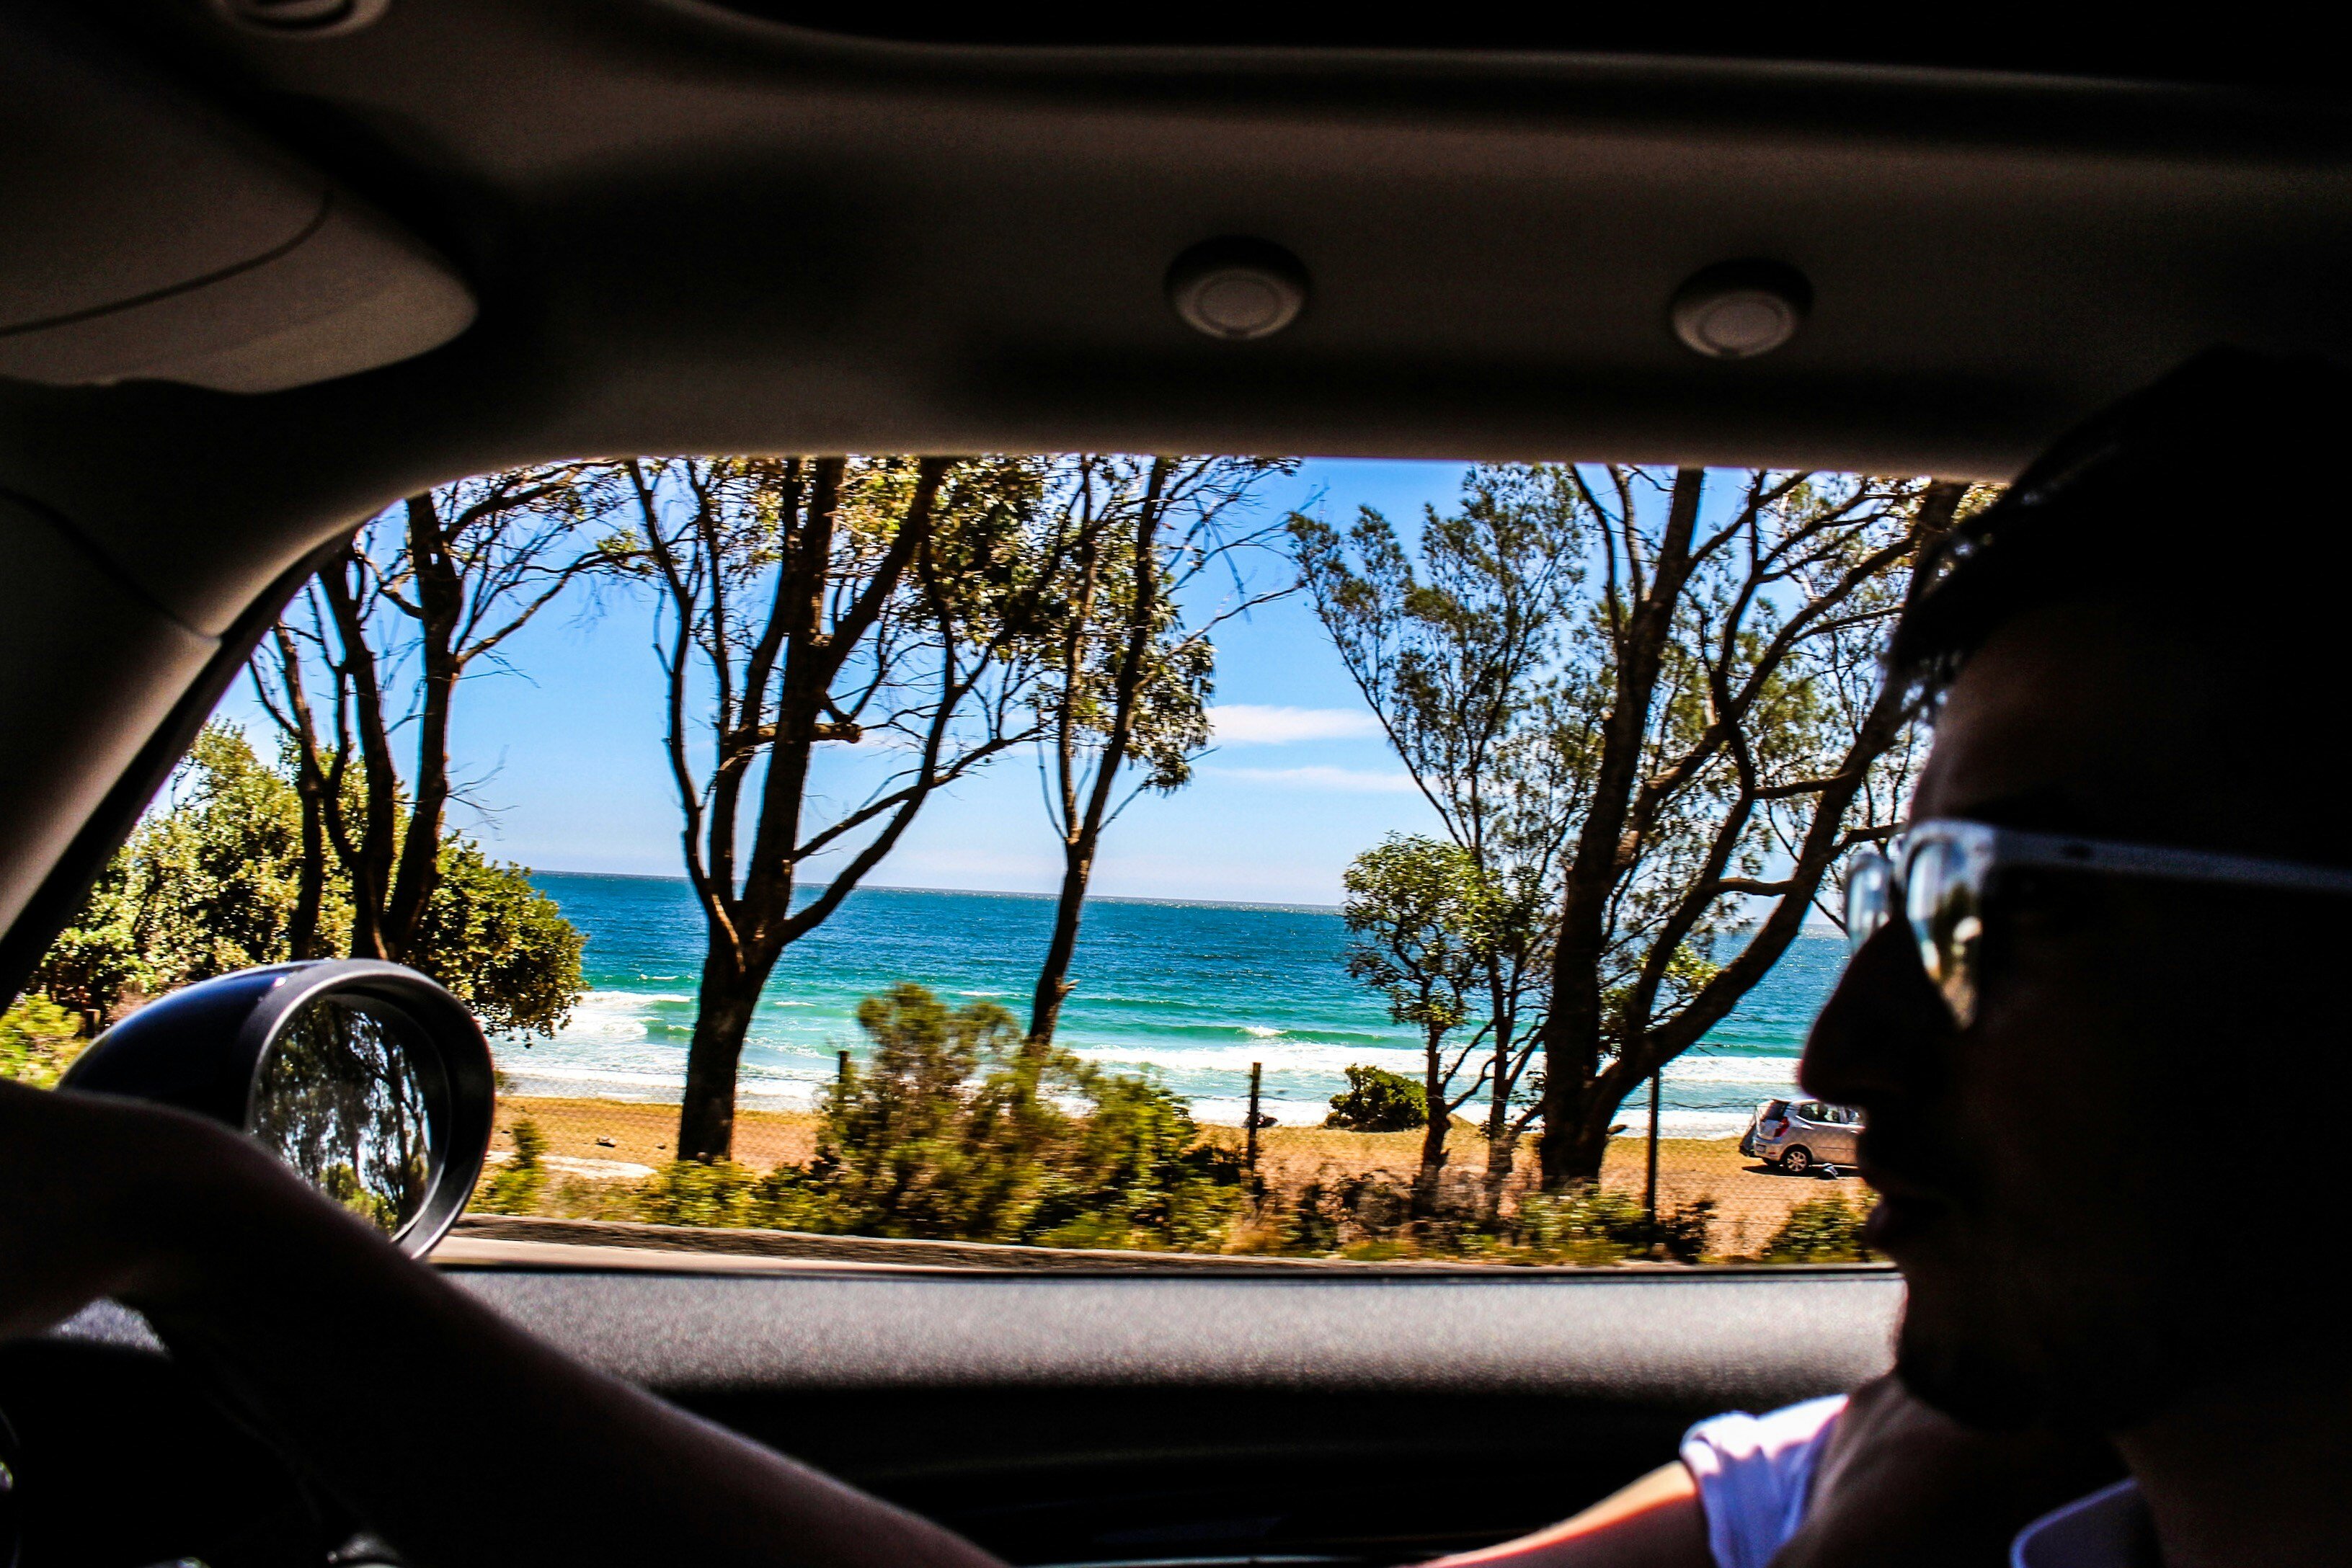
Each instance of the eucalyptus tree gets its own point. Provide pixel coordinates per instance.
(1463, 658)
(1660, 688)
(1158, 557)
(1737, 624)
(1420, 910)
(365, 665)
(886, 605)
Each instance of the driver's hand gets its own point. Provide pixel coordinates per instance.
(101, 1197)
(1900, 1482)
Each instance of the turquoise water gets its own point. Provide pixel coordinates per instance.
(1196, 991)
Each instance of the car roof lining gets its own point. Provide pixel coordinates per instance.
(694, 232)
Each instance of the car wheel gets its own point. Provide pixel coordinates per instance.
(1798, 1160)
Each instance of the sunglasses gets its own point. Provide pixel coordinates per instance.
(1941, 873)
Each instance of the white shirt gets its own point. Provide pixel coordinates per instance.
(1755, 1475)
(2108, 1529)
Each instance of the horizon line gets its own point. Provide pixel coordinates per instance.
(1809, 926)
(984, 891)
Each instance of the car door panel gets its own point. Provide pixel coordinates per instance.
(1384, 1416)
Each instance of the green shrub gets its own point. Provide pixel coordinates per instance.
(1592, 1224)
(211, 880)
(1819, 1231)
(38, 1040)
(1683, 1231)
(1312, 1227)
(1583, 1225)
(688, 1192)
(956, 1128)
(515, 1188)
(1378, 1101)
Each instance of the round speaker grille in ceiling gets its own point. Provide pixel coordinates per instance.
(1237, 289)
(1741, 309)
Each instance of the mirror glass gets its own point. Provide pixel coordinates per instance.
(342, 1100)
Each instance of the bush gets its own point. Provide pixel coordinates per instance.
(688, 1192)
(210, 881)
(1591, 1224)
(38, 1040)
(956, 1128)
(499, 945)
(1312, 1227)
(515, 1188)
(1819, 1231)
(1378, 1101)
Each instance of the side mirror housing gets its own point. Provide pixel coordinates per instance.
(368, 1078)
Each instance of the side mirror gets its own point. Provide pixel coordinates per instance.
(372, 1081)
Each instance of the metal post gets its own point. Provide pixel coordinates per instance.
(1650, 1194)
(1249, 1147)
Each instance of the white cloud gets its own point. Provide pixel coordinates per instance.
(1251, 723)
(1349, 780)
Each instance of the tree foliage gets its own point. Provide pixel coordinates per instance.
(210, 881)
(1647, 700)
(38, 1039)
(889, 603)
(1378, 1100)
(1422, 911)
(958, 1128)
(376, 644)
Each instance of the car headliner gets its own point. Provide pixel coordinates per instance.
(687, 228)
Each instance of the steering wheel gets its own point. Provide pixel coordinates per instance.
(116, 1454)
(118, 1457)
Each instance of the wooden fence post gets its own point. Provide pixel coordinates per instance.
(1650, 1193)
(1249, 1146)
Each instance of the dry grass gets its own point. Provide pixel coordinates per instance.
(647, 1135)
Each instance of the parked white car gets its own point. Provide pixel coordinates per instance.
(1801, 1135)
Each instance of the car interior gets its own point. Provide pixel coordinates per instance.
(268, 266)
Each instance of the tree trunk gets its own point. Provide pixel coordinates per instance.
(1577, 1154)
(370, 864)
(723, 1016)
(1574, 1033)
(1502, 1138)
(440, 596)
(1054, 986)
(1502, 1159)
(1432, 1132)
(1085, 832)
(302, 938)
(309, 891)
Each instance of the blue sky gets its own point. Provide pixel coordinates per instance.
(564, 750)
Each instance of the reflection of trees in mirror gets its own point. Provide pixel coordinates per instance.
(340, 1102)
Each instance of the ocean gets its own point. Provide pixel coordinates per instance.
(1195, 992)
